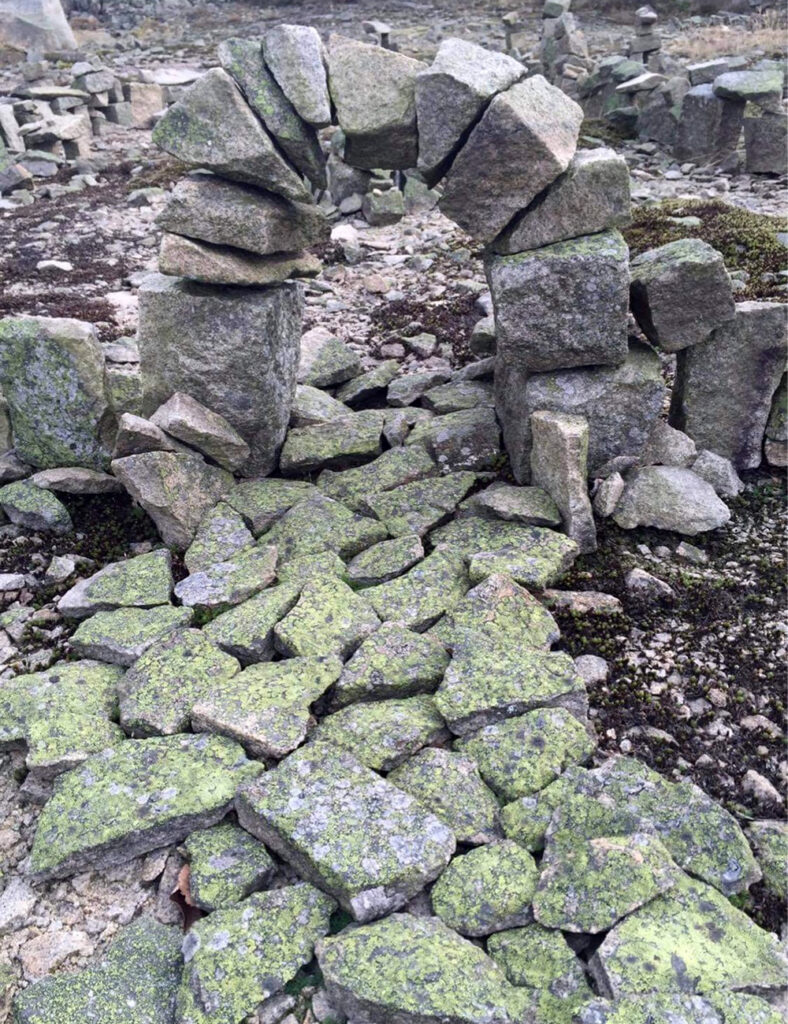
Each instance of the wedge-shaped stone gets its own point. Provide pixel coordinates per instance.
(537, 958)
(340, 825)
(319, 524)
(450, 787)
(226, 864)
(262, 502)
(240, 956)
(385, 561)
(221, 535)
(382, 734)
(137, 435)
(186, 419)
(522, 755)
(374, 92)
(452, 93)
(247, 631)
(157, 694)
(394, 468)
(34, 508)
(224, 264)
(468, 439)
(487, 890)
(73, 480)
(133, 982)
(525, 139)
(337, 444)
(420, 597)
(229, 213)
(137, 796)
(670, 498)
(296, 57)
(418, 506)
(224, 584)
(417, 971)
(329, 618)
(690, 936)
(393, 662)
(266, 707)
(120, 637)
(140, 582)
(211, 126)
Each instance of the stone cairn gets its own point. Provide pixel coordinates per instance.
(647, 40)
(563, 49)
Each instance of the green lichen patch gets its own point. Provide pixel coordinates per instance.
(393, 468)
(385, 561)
(333, 363)
(238, 957)
(530, 506)
(329, 618)
(122, 636)
(383, 733)
(226, 865)
(247, 631)
(266, 707)
(448, 784)
(418, 506)
(693, 939)
(586, 886)
(714, 1008)
(342, 826)
(262, 502)
(34, 508)
(337, 444)
(393, 662)
(320, 524)
(143, 581)
(770, 839)
(220, 536)
(527, 819)
(537, 957)
(157, 694)
(487, 682)
(415, 968)
(420, 597)
(134, 982)
(135, 797)
(487, 890)
(368, 384)
(522, 755)
(226, 584)
(456, 395)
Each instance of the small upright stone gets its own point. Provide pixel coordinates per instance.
(559, 465)
(189, 421)
(297, 60)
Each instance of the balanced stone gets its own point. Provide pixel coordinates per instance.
(420, 597)
(226, 864)
(221, 535)
(394, 468)
(250, 364)
(139, 582)
(186, 419)
(385, 561)
(450, 96)
(329, 618)
(212, 127)
(670, 498)
(224, 584)
(297, 60)
(223, 264)
(681, 293)
(525, 139)
(559, 459)
(34, 508)
(591, 196)
(374, 92)
(135, 797)
(247, 631)
(564, 305)
(337, 444)
(227, 213)
(339, 824)
(318, 524)
(122, 636)
(764, 88)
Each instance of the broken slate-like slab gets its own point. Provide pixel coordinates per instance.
(337, 444)
(226, 265)
(385, 561)
(186, 419)
(262, 502)
(226, 864)
(137, 796)
(267, 707)
(318, 525)
(393, 662)
(34, 508)
(394, 468)
(157, 693)
(468, 439)
(238, 957)
(229, 583)
(530, 506)
(449, 785)
(143, 581)
(339, 824)
(329, 618)
(428, 590)
(247, 631)
(220, 536)
(487, 890)
(419, 506)
(382, 734)
(121, 636)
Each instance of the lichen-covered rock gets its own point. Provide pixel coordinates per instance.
(224, 584)
(394, 468)
(713, 1008)
(468, 439)
(670, 498)
(380, 209)
(52, 376)
(137, 796)
(143, 581)
(407, 389)
(530, 506)
(336, 444)
(157, 693)
(681, 293)
(382, 734)
(133, 982)
(418, 506)
(764, 87)
(136, 435)
(385, 561)
(340, 825)
(424, 593)
(226, 864)
(123, 635)
(522, 755)
(224, 264)
(247, 631)
(393, 662)
(239, 956)
(559, 464)
(370, 384)
(175, 490)
(74, 480)
(311, 405)
(770, 839)
(487, 682)
(34, 508)
(212, 126)
(297, 60)
(415, 970)
(374, 92)
(537, 958)
(328, 618)
(719, 472)
(690, 938)
(262, 502)
(325, 360)
(487, 890)
(589, 886)
(266, 707)
(221, 535)
(186, 419)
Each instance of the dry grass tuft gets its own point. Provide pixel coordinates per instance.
(767, 32)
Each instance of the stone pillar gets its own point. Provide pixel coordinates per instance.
(709, 127)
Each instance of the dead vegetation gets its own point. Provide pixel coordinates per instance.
(767, 32)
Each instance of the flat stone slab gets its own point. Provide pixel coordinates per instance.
(419, 506)
(328, 618)
(34, 508)
(137, 796)
(420, 597)
(339, 824)
(247, 630)
(338, 444)
(158, 692)
(226, 864)
(317, 525)
(530, 506)
(311, 406)
(121, 636)
(237, 957)
(143, 581)
(448, 784)
(267, 707)
(536, 958)
(224, 264)
(74, 480)
(456, 395)
(385, 561)
(394, 468)
(229, 583)
(262, 502)
(220, 536)
(468, 439)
